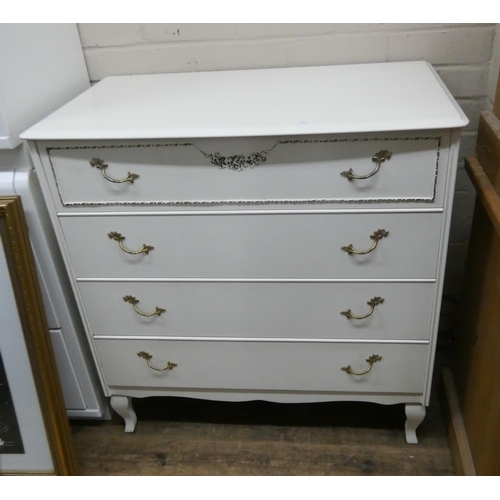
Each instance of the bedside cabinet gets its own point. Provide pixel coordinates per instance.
(270, 234)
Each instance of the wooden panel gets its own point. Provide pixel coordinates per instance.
(463, 464)
(486, 192)
(488, 146)
(477, 343)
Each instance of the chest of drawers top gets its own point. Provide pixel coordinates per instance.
(265, 102)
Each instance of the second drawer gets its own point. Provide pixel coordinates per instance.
(255, 309)
(240, 245)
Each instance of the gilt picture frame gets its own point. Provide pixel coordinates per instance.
(35, 437)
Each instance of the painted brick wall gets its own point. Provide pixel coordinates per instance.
(465, 55)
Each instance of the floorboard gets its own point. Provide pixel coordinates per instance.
(183, 437)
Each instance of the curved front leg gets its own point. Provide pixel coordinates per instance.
(415, 415)
(123, 406)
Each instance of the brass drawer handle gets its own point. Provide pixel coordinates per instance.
(134, 302)
(376, 236)
(102, 166)
(371, 360)
(379, 158)
(119, 238)
(372, 303)
(147, 357)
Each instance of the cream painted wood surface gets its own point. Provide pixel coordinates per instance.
(256, 246)
(283, 366)
(248, 265)
(284, 170)
(352, 98)
(253, 309)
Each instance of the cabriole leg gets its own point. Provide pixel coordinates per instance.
(123, 406)
(415, 414)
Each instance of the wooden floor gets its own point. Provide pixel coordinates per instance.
(182, 437)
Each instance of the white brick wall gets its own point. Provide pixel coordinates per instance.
(466, 56)
(115, 49)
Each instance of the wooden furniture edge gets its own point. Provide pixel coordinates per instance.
(461, 455)
(488, 146)
(496, 105)
(486, 192)
(487, 186)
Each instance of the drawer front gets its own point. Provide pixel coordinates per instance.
(393, 168)
(255, 246)
(281, 366)
(266, 310)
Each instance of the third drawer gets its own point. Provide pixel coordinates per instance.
(266, 310)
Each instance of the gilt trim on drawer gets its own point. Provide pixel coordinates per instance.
(239, 163)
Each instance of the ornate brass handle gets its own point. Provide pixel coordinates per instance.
(379, 158)
(102, 166)
(372, 303)
(372, 359)
(147, 357)
(134, 302)
(119, 238)
(376, 236)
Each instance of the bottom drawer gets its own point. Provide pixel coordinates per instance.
(261, 365)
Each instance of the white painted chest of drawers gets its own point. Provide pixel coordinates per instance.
(263, 234)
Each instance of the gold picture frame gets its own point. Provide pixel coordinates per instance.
(52, 453)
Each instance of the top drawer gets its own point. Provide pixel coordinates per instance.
(392, 168)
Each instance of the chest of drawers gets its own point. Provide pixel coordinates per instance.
(262, 234)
